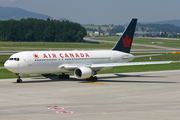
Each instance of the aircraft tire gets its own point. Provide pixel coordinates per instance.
(60, 76)
(95, 78)
(92, 79)
(66, 76)
(19, 80)
(63, 76)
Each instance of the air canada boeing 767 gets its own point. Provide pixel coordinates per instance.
(84, 64)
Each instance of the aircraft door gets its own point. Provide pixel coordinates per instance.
(29, 60)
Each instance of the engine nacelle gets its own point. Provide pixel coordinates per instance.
(83, 72)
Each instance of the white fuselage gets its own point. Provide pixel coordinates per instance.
(44, 62)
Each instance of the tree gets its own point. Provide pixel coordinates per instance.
(29, 36)
(100, 30)
(41, 30)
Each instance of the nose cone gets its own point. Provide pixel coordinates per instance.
(6, 64)
(11, 65)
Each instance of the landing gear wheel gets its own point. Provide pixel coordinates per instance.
(60, 76)
(89, 79)
(63, 76)
(92, 79)
(66, 76)
(95, 78)
(19, 80)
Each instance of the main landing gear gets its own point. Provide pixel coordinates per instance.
(19, 80)
(66, 76)
(63, 76)
(92, 79)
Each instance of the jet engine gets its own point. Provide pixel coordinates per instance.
(83, 72)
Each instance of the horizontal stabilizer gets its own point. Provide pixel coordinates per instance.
(139, 56)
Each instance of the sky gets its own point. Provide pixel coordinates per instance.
(100, 12)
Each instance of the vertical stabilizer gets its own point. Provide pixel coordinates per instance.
(125, 41)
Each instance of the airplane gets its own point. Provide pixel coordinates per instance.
(84, 64)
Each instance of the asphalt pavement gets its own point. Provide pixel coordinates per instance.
(121, 96)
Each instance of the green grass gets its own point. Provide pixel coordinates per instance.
(115, 38)
(31, 46)
(111, 38)
(3, 58)
(140, 47)
(162, 57)
(167, 43)
(142, 68)
(50, 45)
(4, 73)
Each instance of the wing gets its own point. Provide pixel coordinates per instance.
(109, 65)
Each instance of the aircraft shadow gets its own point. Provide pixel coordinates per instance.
(131, 81)
(51, 79)
(122, 75)
(100, 79)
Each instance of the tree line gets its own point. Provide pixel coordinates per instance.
(116, 29)
(159, 27)
(34, 30)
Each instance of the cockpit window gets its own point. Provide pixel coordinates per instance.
(16, 59)
(10, 59)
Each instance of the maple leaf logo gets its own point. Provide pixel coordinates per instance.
(126, 41)
(36, 55)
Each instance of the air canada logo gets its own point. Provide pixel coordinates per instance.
(126, 41)
(36, 55)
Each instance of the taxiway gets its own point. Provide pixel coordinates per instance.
(125, 96)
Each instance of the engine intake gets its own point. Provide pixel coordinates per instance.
(83, 72)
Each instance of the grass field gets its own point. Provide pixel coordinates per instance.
(142, 68)
(111, 38)
(24, 46)
(50, 45)
(3, 58)
(160, 42)
(61, 45)
(167, 43)
(7, 74)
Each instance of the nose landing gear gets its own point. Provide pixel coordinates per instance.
(19, 80)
